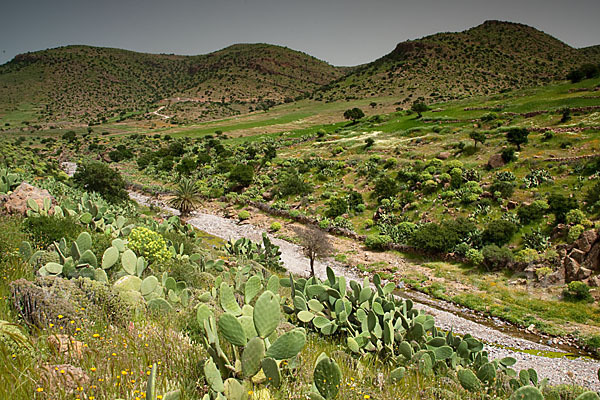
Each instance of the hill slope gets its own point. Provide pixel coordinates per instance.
(85, 82)
(488, 58)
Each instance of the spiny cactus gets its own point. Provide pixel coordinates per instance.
(327, 377)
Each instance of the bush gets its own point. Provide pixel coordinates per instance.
(508, 155)
(532, 212)
(98, 177)
(495, 258)
(243, 215)
(337, 207)
(443, 237)
(592, 198)
(560, 205)
(474, 257)
(275, 226)
(45, 230)
(577, 291)
(574, 233)
(292, 184)
(149, 244)
(499, 232)
(575, 217)
(241, 175)
(527, 256)
(377, 242)
(506, 189)
(385, 188)
(536, 239)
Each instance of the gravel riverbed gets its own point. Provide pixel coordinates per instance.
(498, 344)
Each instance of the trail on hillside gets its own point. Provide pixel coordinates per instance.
(160, 115)
(498, 344)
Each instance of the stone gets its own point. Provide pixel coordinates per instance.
(594, 281)
(444, 155)
(267, 196)
(496, 161)
(592, 258)
(16, 202)
(557, 277)
(586, 240)
(577, 255)
(63, 378)
(66, 345)
(511, 205)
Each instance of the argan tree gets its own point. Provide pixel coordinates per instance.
(477, 137)
(315, 244)
(354, 114)
(419, 107)
(517, 136)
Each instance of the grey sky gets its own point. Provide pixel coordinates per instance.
(342, 32)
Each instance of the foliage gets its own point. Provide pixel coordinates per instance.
(577, 291)
(336, 207)
(98, 177)
(149, 244)
(495, 258)
(532, 212)
(517, 136)
(560, 205)
(385, 188)
(574, 232)
(536, 177)
(499, 232)
(186, 196)
(354, 114)
(442, 237)
(292, 184)
(575, 217)
(243, 215)
(44, 230)
(419, 107)
(315, 244)
(377, 242)
(241, 175)
(536, 239)
(275, 227)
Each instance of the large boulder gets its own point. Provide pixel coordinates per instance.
(16, 202)
(574, 271)
(495, 161)
(586, 240)
(592, 258)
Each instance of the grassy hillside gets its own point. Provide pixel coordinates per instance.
(489, 58)
(92, 84)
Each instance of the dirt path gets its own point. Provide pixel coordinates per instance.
(499, 344)
(160, 115)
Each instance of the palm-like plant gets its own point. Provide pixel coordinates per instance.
(186, 196)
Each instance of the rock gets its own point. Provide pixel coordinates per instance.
(592, 258)
(268, 196)
(577, 255)
(594, 281)
(16, 202)
(67, 345)
(586, 240)
(63, 378)
(496, 161)
(574, 271)
(511, 205)
(557, 277)
(444, 155)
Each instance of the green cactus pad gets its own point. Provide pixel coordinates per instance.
(266, 314)
(149, 285)
(100, 275)
(228, 301)
(160, 305)
(327, 378)
(353, 345)
(273, 284)
(203, 312)
(487, 373)
(253, 287)
(253, 354)
(84, 241)
(397, 374)
(128, 282)
(305, 316)
(468, 380)
(443, 352)
(248, 326)
(213, 376)
(129, 262)
(110, 257)
(53, 268)
(88, 257)
(287, 345)
(527, 393)
(234, 390)
(232, 330)
(271, 370)
(589, 395)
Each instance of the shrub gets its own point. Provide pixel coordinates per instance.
(505, 176)
(495, 258)
(275, 226)
(536, 239)
(575, 217)
(577, 291)
(355, 200)
(574, 233)
(474, 257)
(385, 188)
(292, 184)
(241, 175)
(504, 188)
(560, 205)
(499, 232)
(536, 177)
(517, 136)
(508, 155)
(45, 230)
(377, 242)
(443, 237)
(527, 256)
(532, 212)
(337, 206)
(98, 177)
(149, 244)
(543, 272)
(592, 198)
(243, 215)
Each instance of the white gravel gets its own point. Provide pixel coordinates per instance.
(498, 343)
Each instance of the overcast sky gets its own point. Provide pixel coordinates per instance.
(342, 32)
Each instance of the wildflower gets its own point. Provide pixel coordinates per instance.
(93, 369)
(62, 371)
(95, 335)
(367, 396)
(60, 316)
(39, 390)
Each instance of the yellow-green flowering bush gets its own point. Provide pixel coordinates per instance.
(149, 244)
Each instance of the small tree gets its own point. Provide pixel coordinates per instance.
(185, 197)
(315, 243)
(241, 175)
(517, 136)
(477, 136)
(99, 177)
(354, 114)
(419, 107)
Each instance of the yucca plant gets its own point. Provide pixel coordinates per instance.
(186, 196)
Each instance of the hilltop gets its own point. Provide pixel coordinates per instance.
(92, 83)
(492, 57)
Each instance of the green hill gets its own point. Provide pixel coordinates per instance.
(89, 83)
(489, 58)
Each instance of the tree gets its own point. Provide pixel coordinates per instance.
(315, 244)
(69, 136)
(419, 107)
(354, 114)
(560, 205)
(99, 177)
(186, 196)
(477, 136)
(241, 175)
(517, 136)
(373, 104)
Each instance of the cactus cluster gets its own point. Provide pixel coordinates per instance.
(8, 180)
(258, 351)
(266, 253)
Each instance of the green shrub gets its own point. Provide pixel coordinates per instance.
(560, 205)
(241, 175)
(275, 226)
(292, 184)
(495, 258)
(577, 291)
(385, 188)
(592, 198)
(474, 257)
(243, 215)
(527, 256)
(98, 177)
(442, 237)
(149, 244)
(499, 232)
(508, 155)
(575, 217)
(45, 230)
(506, 189)
(574, 233)
(543, 272)
(536, 239)
(336, 207)
(377, 242)
(532, 212)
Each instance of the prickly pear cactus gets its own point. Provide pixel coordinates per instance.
(327, 377)
(527, 393)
